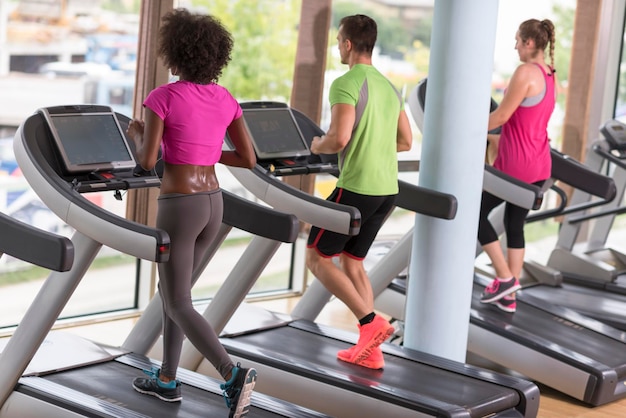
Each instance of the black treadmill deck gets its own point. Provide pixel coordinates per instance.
(105, 390)
(558, 333)
(410, 379)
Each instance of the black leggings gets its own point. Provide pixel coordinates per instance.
(514, 219)
(192, 222)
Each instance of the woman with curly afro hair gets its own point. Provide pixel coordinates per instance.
(187, 121)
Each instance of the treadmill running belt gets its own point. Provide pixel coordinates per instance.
(602, 305)
(408, 382)
(111, 382)
(545, 325)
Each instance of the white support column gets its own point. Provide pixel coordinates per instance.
(453, 149)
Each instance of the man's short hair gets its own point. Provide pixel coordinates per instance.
(361, 30)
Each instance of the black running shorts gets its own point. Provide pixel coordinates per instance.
(374, 210)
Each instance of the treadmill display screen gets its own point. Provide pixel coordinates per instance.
(90, 142)
(275, 133)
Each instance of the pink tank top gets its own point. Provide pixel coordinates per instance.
(524, 150)
(195, 119)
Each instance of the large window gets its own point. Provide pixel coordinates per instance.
(66, 52)
(70, 52)
(59, 53)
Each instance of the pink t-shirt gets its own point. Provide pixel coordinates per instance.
(524, 150)
(196, 117)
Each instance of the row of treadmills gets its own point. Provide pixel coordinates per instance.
(550, 339)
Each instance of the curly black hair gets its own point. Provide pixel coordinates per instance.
(197, 46)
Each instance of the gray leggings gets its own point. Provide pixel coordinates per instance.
(192, 222)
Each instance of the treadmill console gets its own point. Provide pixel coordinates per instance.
(615, 134)
(89, 145)
(60, 189)
(281, 138)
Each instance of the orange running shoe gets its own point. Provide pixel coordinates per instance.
(375, 361)
(371, 336)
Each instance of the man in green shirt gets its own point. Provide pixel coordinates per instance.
(368, 127)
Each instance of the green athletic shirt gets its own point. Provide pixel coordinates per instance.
(369, 163)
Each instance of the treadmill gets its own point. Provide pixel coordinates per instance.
(54, 374)
(596, 196)
(567, 278)
(544, 341)
(590, 299)
(297, 357)
(596, 302)
(591, 262)
(557, 346)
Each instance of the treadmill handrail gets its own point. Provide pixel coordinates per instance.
(35, 246)
(411, 197)
(599, 149)
(426, 201)
(99, 224)
(614, 211)
(577, 175)
(567, 170)
(570, 171)
(266, 222)
(281, 196)
(512, 190)
(550, 213)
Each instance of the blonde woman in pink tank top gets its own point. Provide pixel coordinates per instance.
(523, 151)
